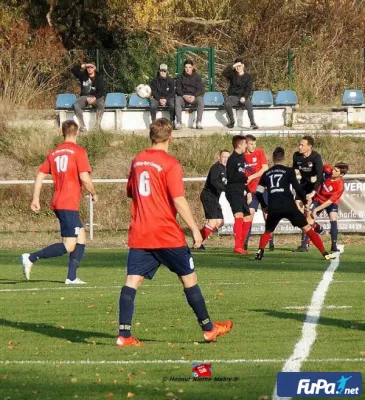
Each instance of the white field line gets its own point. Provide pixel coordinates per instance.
(132, 362)
(64, 287)
(303, 348)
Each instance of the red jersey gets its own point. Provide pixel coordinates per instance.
(330, 190)
(155, 179)
(253, 163)
(65, 163)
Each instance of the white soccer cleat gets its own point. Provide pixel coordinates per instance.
(76, 281)
(26, 265)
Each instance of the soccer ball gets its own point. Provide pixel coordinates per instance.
(143, 91)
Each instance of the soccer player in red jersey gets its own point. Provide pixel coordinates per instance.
(256, 164)
(328, 198)
(70, 169)
(156, 187)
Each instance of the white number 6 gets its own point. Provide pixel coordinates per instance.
(144, 187)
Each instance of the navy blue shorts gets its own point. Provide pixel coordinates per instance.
(331, 208)
(255, 203)
(70, 222)
(146, 262)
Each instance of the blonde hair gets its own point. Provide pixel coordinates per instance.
(160, 130)
(69, 128)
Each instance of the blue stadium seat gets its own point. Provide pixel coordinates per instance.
(115, 100)
(286, 98)
(213, 99)
(353, 97)
(137, 102)
(262, 98)
(65, 101)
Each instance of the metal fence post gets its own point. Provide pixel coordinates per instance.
(290, 68)
(91, 218)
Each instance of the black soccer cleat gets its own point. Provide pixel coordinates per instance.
(202, 247)
(335, 249)
(259, 255)
(300, 249)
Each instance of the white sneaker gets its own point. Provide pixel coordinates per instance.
(199, 125)
(76, 281)
(26, 265)
(178, 126)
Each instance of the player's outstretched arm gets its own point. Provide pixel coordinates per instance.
(35, 205)
(183, 208)
(88, 185)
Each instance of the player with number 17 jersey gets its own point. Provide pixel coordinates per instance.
(65, 163)
(155, 179)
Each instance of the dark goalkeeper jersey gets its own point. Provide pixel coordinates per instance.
(278, 181)
(236, 173)
(216, 179)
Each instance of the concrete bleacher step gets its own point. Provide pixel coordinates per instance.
(319, 120)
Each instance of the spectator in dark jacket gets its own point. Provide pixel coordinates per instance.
(163, 93)
(189, 90)
(240, 88)
(92, 92)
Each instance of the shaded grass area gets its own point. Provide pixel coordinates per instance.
(43, 320)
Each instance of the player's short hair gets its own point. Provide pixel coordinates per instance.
(69, 128)
(343, 167)
(237, 139)
(160, 130)
(237, 60)
(250, 138)
(224, 151)
(309, 139)
(278, 154)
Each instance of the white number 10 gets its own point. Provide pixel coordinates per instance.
(61, 163)
(144, 187)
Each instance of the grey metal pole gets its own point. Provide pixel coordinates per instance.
(91, 218)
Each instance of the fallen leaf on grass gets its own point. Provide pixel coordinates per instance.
(181, 390)
(170, 394)
(264, 397)
(142, 372)
(362, 353)
(73, 380)
(109, 395)
(91, 306)
(129, 395)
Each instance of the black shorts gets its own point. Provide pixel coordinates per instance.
(307, 188)
(70, 222)
(238, 203)
(212, 208)
(145, 262)
(291, 213)
(255, 202)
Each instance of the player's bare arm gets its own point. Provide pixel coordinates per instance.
(35, 205)
(183, 208)
(88, 185)
(259, 173)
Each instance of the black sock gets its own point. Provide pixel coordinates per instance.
(304, 240)
(197, 303)
(54, 250)
(334, 233)
(74, 261)
(248, 236)
(126, 309)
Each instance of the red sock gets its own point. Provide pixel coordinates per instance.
(206, 231)
(316, 240)
(264, 239)
(237, 229)
(246, 225)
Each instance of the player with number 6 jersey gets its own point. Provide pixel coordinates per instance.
(70, 169)
(155, 185)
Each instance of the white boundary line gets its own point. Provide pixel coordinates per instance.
(303, 348)
(133, 362)
(64, 287)
(326, 307)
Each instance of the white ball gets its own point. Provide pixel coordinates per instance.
(143, 91)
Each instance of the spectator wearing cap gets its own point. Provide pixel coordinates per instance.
(92, 92)
(163, 93)
(189, 90)
(240, 88)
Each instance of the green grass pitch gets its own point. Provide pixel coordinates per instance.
(58, 342)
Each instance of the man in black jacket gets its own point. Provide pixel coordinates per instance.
(163, 93)
(92, 92)
(240, 88)
(308, 167)
(278, 180)
(214, 186)
(189, 90)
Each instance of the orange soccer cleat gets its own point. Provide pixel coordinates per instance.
(219, 329)
(130, 341)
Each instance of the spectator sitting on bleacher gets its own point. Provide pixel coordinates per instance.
(189, 90)
(240, 88)
(92, 92)
(163, 93)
